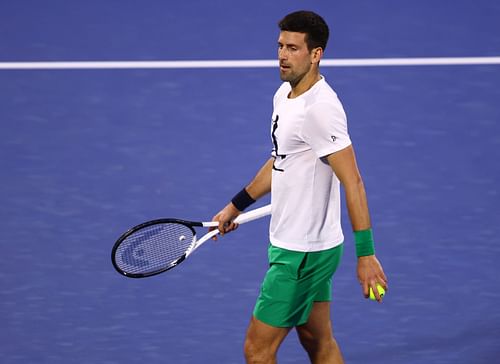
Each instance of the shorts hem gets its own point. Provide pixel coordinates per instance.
(281, 325)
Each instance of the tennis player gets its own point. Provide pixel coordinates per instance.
(312, 155)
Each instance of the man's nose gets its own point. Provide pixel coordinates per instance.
(282, 53)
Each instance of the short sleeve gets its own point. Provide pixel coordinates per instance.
(325, 128)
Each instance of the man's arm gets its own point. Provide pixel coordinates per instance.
(258, 187)
(344, 165)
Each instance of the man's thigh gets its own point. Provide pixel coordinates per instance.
(263, 336)
(318, 326)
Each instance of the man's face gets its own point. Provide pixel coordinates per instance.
(295, 60)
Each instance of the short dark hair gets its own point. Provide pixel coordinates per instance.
(310, 23)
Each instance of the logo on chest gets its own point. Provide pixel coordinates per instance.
(275, 143)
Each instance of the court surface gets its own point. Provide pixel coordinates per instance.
(87, 153)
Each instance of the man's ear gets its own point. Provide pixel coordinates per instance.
(317, 54)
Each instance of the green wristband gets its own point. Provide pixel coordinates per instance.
(364, 242)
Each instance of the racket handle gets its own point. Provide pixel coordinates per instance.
(246, 216)
(253, 214)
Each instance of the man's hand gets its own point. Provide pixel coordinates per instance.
(370, 273)
(225, 217)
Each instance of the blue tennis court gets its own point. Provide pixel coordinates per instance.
(87, 153)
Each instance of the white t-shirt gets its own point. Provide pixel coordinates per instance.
(305, 193)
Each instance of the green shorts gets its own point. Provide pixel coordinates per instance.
(294, 281)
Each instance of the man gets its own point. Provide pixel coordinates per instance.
(312, 155)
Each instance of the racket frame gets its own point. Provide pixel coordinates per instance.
(188, 224)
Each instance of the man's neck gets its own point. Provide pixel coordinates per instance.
(308, 81)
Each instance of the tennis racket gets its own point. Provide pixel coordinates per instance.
(160, 245)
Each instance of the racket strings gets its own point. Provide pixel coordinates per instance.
(153, 248)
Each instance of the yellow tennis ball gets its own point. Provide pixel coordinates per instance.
(381, 292)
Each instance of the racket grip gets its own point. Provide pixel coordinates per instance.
(253, 214)
(246, 216)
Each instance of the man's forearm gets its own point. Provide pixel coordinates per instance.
(357, 205)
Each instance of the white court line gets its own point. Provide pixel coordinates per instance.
(360, 62)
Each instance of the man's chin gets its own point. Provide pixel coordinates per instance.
(285, 77)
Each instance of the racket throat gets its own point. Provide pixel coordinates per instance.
(180, 260)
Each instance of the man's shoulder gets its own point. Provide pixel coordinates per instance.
(323, 93)
(324, 90)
